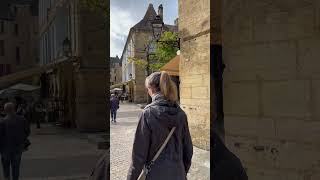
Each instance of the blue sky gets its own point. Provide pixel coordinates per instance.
(126, 13)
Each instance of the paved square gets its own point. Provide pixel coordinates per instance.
(121, 140)
(58, 154)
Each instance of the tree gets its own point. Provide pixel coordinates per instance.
(163, 53)
(97, 5)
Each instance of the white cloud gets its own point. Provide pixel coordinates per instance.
(120, 23)
(126, 13)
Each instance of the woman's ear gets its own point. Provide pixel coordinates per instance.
(151, 91)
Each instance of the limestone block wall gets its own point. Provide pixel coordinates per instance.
(272, 86)
(9, 44)
(91, 79)
(140, 41)
(92, 41)
(26, 39)
(194, 29)
(116, 75)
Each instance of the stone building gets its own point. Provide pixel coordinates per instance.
(194, 72)
(18, 35)
(138, 39)
(115, 70)
(76, 87)
(271, 85)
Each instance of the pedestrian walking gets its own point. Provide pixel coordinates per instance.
(121, 97)
(162, 147)
(114, 106)
(2, 114)
(22, 109)
(14, 133)
(38, 108)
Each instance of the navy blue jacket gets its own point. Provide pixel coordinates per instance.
(155, 123)
(14, 131)
(114, 103)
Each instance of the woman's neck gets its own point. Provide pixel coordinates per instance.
(155, 95)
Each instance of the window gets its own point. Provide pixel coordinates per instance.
(1, 27)
(18, 55)
(1, 47)
(16, 30)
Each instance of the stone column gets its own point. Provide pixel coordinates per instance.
(194, 29)
(91, 111)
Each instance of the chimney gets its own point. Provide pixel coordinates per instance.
(176, 22)
(160, 11)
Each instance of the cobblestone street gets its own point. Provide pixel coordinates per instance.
(121, 136)
(58, 154)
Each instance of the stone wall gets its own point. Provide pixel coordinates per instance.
(194, 28)
(116, 75)
(272, 86)
(140, 40)
(9, 44)
(91, 79)
(26, 40)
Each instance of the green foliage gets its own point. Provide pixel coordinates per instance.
(97, 5)
(165, 51)
(140, 62)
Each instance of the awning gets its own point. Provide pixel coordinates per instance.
(13, 78)
(117, 85)
(24, 87)
(172, 67)
(24, 90)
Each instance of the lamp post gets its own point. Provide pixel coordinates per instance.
(67, 52)
(157, 27)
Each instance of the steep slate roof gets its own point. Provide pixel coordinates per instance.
(145, 25)
(114, 60)
(172, 28)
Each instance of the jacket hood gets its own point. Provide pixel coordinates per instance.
(167, 112)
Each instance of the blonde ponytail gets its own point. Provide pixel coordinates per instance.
(168, 87)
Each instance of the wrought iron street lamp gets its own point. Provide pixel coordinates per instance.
(157, 28)
(67, 52)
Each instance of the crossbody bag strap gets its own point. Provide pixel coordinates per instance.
(163, 145)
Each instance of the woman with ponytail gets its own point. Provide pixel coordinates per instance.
(162, 145)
